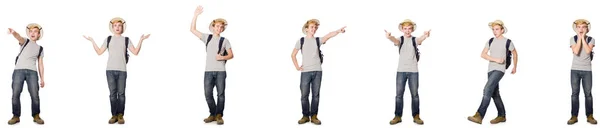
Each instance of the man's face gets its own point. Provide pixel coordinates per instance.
(498, 30)
(582, 28)
(312, 29)
(118, 27)
(34, 33)
(407, 29)
(218, 28)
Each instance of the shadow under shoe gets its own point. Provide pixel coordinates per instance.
(303, 120)
(14, 120)
(112, 120)
(475, 118)
(209, 119)
(573, 120)
(315, 120)
(37, 119)
(396, 120)
(498, 119)
(219, 119)
(591, 120)
(417, 120)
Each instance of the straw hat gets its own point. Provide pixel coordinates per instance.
(584, 21)
(117, 19)
(408, 21)
(305, 26)
(34, 25)
(491, 25)
(210, 26)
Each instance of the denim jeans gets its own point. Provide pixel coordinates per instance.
(310, 81)
(19, 77)
(212, 79)
(585, 77)
(413, 86)
(117, 81)
(491, 90)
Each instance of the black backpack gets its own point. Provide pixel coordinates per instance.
(220, 45)
(508, 52)
(414, 43)
(126, 46)
(27, 42)
(318, 47)
(588, 39)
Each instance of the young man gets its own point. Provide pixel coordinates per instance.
(500, 49)
(116, 68)
(581, 70)
(26, 71)
(218, 51)
(310, 79)
(407, 69)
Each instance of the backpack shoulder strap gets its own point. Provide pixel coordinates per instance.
(401, 43)
(589, 38)
(108, 41)
(208, 39)
(24, 45)
(301, 43)
(490, 41)
(414, 42)
(40, 52)
(221, 44)
(508, 41)
(318, 42)
(126, 43)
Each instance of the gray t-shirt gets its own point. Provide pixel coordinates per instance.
(407, 61)
(582, 61)
(29, 56)
(498, 50)
(211, 52)
(116, 53)
(310, 54)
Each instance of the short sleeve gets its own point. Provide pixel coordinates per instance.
(205, 37)
(593, 42)
(511, 47)
(42, 53)
(227, 44)
(104, 44)
(487, 45)
(129, 44)
(321, 40)
(297, 46)
(572, 41)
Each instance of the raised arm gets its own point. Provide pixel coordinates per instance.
(193, 29)
(389, 36)
(17, 36)
(135, 50)
(98, 50)
(41, 70)
(423, 37)
(587, 46)
(333, 34)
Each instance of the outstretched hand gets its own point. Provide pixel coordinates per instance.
(88, 38)
(11, 31)
(427, 32)
(342, 30)
(199, 10)
(144, 36)
(387, 34)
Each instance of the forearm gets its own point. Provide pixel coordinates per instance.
(394, 40)
(295, 61)
(586, 47)
(41, 71)
(487, 57)
(18, 37)
(421, 39)
(139, 47)
(193, 26)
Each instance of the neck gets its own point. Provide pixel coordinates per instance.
(117, 35)
(499, 36)
(310, 36)
(217, 34)
(407, 35)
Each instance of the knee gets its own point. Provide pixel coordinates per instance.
(415, 96)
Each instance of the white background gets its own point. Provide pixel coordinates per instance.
(165, 81)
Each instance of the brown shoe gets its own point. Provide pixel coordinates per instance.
(396, 120)
(113, 120)
(219, 119)
(475, 118)
(14, 120)
(209, 119)
(315, 120)
(37, 119)
(591, 120)
(120, 119)
(498, 119)
(418, 120)
(303, 120)
(573, 120)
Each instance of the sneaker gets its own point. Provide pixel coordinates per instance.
(396, 120)
(14, 120)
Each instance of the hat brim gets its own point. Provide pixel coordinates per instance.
(210, 28)
(413, 24)
(575, 27)
(503, 26)
(34, 25)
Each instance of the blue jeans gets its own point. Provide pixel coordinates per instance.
(212, 79)
(117, 81)
(413, 86)
(491, 90)
(585, 77)
(308, 80)
(19, 77)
